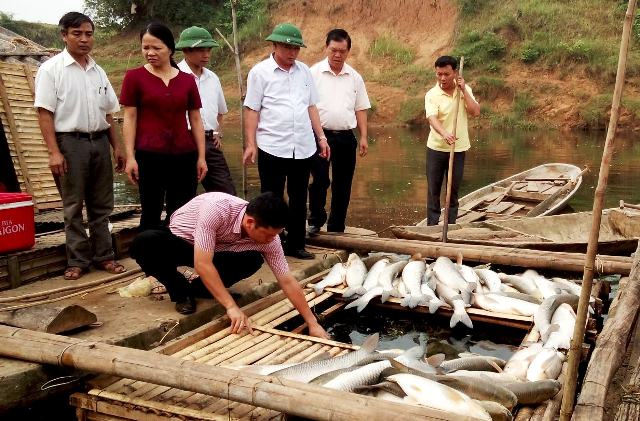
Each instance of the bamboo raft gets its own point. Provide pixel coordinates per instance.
(213, 344)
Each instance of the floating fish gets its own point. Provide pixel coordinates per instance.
(474, 363)
(531, 393)
(546, 365)
(503, 304)
(519, 362)
(496, 411)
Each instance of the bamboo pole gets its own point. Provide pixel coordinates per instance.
(236, 56)
(452, 153)
(569, 392)
(539, 259)
(281, 394)
(611, 346)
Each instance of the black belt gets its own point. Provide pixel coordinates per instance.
(209, 135)
(337, 131)
(84, 135)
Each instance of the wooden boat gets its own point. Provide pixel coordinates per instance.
(619, 232)
(539, 191)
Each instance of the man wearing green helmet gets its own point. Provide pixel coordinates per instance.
(280, 119)
(196, 44)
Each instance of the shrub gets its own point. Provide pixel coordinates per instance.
(489, 88)
(412, 111)
(480, 47)
(385, 46)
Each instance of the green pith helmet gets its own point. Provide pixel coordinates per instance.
(287, 33)
(196, 37)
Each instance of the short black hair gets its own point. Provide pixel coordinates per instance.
(444, 61)
(269, 210)
(74, 20)
(338, 35)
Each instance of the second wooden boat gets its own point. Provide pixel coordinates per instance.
(539, 191)
(619, 232)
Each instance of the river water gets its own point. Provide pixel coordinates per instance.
(390, 185)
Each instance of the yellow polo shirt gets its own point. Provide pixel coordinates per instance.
(437, 102)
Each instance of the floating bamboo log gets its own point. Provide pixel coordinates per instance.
(539, 259)
(568, 395)
(610, 348)
(278, 394)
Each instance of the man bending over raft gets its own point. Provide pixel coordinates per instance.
(225, 238)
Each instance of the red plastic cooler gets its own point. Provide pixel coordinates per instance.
(17, 225)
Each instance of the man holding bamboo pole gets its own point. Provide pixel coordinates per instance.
(440, 105)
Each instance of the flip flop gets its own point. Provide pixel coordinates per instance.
(73, 273)
(111, 266)
(157, 287)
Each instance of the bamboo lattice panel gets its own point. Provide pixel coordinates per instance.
(268, 346)
(26, 145)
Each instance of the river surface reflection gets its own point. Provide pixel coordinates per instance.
(390, 184)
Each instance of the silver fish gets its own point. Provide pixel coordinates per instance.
(563, 322)
(542, 317)
(412, 275)
(522, 284)
(530, 393)
(361, 376)
(546, 365)
(387, 277)
(308, 371)
(519, 362)
(448, 273)
(336, 276)
(490, 279)
(356, 272)
(371, 280)
(438, 396)
(546, 287)
(470, 276)
(496, 411)
(502, 304)
(429, 298)
(481, 389)
(520, 296)
(475, 363)
(455, 300)
(363, 301)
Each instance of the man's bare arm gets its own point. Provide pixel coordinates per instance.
(294, 293)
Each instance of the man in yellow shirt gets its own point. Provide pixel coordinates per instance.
(439, 104)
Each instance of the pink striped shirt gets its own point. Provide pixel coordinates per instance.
(212, 222)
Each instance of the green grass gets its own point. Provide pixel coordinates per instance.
(490, 88)
(387, 47)
(412, 112)
(413, 78)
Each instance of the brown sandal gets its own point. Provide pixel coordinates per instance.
(73, 273)
(111, 266)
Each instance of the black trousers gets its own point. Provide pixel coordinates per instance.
(164, 175)
(218, 178)
(159, 253)
(274, 173)
(437, 167)
(343, 146)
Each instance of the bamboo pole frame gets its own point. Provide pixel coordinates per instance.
(268, 392)
(452, 152)
(534, 259)
(569, 389)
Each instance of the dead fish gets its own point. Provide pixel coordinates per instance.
(486, 375)
(336, 276)
(480, 389)
(430, 299)
(448, 273)
(490, 279)
(522, 284)
(356, 273)
(542, 317)
(361, 376)
(308, 371)
(475, 363)
(469, 275)
(387, 277)
(530, 393)
(545, 286)
(503, 304)
(496, 411)
(562, 324)
(521, 296)
(454, 300)
(361, 302)
(438, 396)
(373, 275)
(546, 365)
(519, 362)
(412, 275)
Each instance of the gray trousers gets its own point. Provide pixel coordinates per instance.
(218, 178)
(88, 180)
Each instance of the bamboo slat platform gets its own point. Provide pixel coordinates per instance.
(48, 257)
(213, 344)
(27, 148)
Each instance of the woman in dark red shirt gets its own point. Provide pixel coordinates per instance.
(164, 157)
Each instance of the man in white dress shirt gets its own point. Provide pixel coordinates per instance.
(196, 44)
(280, 119)
(75, 103)
(343, 105)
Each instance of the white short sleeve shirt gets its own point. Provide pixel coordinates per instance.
(340, 96)
(283, 99)
(211, 95)
(79, 98)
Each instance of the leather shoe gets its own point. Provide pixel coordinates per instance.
(186, 306)
(313, 230)
(300, 254)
